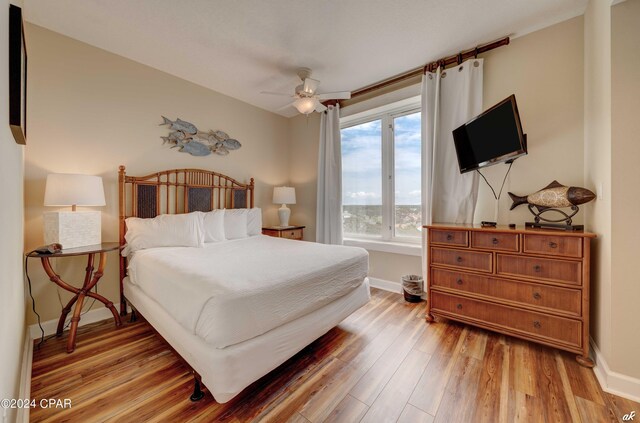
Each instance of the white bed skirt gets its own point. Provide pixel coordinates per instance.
(227, 371)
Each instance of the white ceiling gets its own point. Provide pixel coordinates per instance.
(242, 47)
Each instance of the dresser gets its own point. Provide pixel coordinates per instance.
(528, 283)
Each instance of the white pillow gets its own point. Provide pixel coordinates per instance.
(235, 223)
(213, 225)
(254, 221)
(166, 230)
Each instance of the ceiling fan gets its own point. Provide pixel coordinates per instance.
(306, 98)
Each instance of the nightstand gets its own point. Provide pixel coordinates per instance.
(90, 280)
(289, 232)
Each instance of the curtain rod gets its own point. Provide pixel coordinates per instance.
(430, 67)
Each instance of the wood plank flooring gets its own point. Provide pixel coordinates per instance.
(382, 364)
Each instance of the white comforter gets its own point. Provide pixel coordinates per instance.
(231, 291)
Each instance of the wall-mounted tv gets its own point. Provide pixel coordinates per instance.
(492, 137)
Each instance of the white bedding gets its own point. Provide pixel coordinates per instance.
(227, 371)
(232, 291)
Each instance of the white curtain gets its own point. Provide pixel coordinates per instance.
(329, 208)
(449, 99)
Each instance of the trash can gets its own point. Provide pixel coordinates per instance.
(412, 288)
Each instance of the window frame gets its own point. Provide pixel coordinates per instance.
(387, 115)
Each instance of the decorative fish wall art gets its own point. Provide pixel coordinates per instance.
(188, 139)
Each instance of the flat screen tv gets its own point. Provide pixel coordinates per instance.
(492, 137)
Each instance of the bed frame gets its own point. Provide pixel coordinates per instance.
(175, 191)
(172, 192)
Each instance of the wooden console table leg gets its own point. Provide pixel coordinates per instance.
(63, 316)
(71, 342)
(77, 311)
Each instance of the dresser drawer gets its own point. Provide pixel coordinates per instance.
(553, 328)
(449, 237)
(292, 233)
(531, 294)
(464, 259)
(563, 271)
(284, 233)
(553, 245)
(495, 241)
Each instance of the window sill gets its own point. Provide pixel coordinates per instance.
(386, 246)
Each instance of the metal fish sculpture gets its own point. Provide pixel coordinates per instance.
(221, 136)
(173, 137)
(188, 139)
(554, 195)
(231, 144)
(194, 148)
(180, 125)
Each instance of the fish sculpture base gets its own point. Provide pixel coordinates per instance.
(542, 222)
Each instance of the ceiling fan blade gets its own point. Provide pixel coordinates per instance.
(275, 93)
(320, 107)
(285, 107)
(338, 95)
(310, 85)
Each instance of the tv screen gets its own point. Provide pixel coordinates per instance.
(492, 137)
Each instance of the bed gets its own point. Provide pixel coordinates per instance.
(235, 309)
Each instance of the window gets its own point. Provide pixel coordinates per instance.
(381, 172)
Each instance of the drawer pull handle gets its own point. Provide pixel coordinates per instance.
(537, 295)
(537, 268)
(449, 237)
(459, 306)
(459, 281)
(495, 241)
(553, 245)
(537, 324)
(292, 233)
(459, 259)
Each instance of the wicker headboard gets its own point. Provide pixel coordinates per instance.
(176, 191)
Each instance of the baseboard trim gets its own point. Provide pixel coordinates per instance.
(22, 415)
(614, 382)
(386, 285)
(91, 316)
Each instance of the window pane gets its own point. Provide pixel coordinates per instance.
(362, 179)
(407, 144)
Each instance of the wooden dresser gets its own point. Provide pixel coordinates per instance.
(529, 283)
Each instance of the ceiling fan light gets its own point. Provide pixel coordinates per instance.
(305, 105)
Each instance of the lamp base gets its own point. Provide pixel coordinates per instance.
(72, 229)
(283, 214)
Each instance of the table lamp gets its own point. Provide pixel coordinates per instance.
(284, 196)
(73, 228)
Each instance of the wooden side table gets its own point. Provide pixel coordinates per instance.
(90, 280)
(290, 232)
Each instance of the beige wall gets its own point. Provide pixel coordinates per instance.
(304, 133)
(625, 194)
(91, 111)
(544, 70)
(551, 105)
(391, 267)
(597, 157)
(12, 287)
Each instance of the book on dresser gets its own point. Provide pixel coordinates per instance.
(528, 283)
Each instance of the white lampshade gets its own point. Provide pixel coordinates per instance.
(306, 105)
(65, 189)
(284, 195)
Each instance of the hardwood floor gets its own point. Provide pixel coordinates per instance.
(382, 364)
